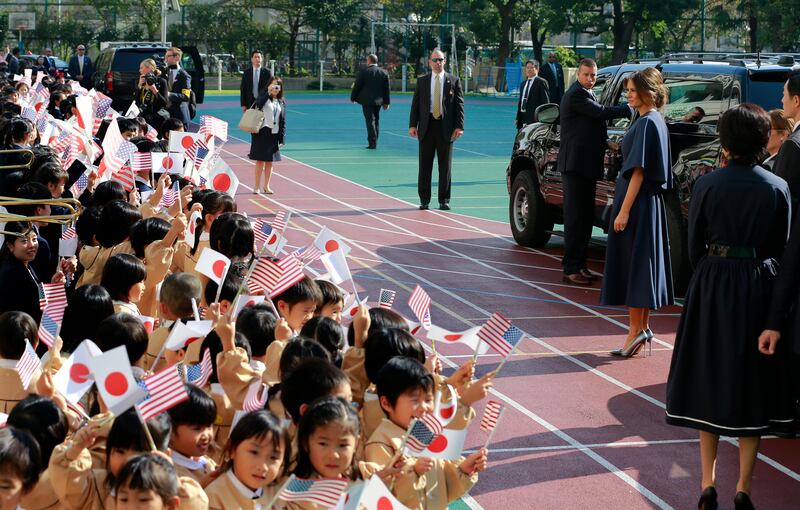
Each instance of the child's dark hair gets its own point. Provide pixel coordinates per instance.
(146, 231)
(304, 290)
(384, 344)
(320, 413)
(299, 349)
(123, 329)
(329, 334)
(230, 286)
(177, 292)
(127, 125)
(107, 191)
(127, 434)
(88, 306)
(43, 420)
(17, 130)
(257, 324)
(310, 380)
(232, 235)
(198, 409)
(148, 472)
(214, 345)
(30, 191)
(15, 327)
(213, 203)
(331, 294)
(19, 454)
(380, 318)
(87, 224)
(259, 425)
(50, 173)
(401, 375)
(171, 124)
(116, 221)
(121, 272)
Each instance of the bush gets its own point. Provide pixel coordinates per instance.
(314, 85)
(566, 56)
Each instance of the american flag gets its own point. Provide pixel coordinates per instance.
(274, 277)
(68, 233)
(42, 90)
(79, 186)
(490, 415)
(280, 221)
(125, 177)
(48, 329)
(307, 254)
(420, 304)
(214, 126)
(261, 231)
(171, 195)
(500, 334)
(325, 492)
(27, 365)
(142, 161)
(111, 162)
(29, 112)
(166, 389)
(151, 134)
(197, 152)
(200, 373)
(422, 432)
(256, 397)
(101, 105)
(42, 297)
(56, 299)
(69, 156)
(41, 124)
(386, 298)
(64, 140)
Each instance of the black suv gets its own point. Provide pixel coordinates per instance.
(700, 89)
(117, 70)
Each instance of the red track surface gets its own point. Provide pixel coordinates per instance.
(581, 429)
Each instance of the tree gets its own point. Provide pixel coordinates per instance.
(546, 18)
(331, 17)
(295, 14)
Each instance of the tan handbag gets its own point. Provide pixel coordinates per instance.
(252, 120)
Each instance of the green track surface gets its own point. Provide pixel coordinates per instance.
(326, 131)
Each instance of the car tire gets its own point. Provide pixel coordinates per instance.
(678, 244)
(527, 212)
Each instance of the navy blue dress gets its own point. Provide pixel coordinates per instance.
(637, 271)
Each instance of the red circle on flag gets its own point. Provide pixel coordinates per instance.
(221, 182)
(218, 267)
(331, 245)
(250, 303)
(446, 412)
(414, 331)
(167, 162)
(438, 445)
(384, 503)
(148, 326)
(452, 338)
(79, 373)
(116, 384)
(354, 311)
(187, 142)
(272, 239)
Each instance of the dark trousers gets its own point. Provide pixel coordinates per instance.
(579, 195)
(372, 116)
(433, 144)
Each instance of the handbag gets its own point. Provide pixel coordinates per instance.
(251, 120)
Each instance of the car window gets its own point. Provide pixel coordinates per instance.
(621, 99)
(102, 60)
(600, 86)
(695, 101)
(129, 61)
(187, 62)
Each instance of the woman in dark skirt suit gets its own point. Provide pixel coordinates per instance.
(718, 382)
(265, 145)
(637, 269)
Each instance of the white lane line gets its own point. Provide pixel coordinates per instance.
(454, 147)
(618, 444)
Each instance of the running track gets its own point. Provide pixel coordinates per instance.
(581, 429)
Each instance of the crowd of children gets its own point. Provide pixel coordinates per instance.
(291, 392)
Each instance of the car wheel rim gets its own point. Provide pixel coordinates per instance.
(520, 209)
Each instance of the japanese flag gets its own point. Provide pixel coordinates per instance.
(413, 327)
(67, 247)
(243, 302)
(190, 228)
(336, 264)
(133, 111)
(468, 338)
(167, 162)
(351, 308)
(180, 141)
(221, 178)
(275, 243)
(446, 404)
(114, 379)
(447, 446)
(148, 322)
(327, 241)
(85, 114)
(213, 264)
(183, 335)
(371, 494)
(74, 378)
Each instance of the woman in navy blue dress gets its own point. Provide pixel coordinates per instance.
(637, 269)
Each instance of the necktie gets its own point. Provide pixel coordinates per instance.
(525, 93)
(437, 98)
(80, 65)
(255, 82)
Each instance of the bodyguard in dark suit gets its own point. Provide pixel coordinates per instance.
(254, 81)
(554, 74)
(180, 86)
(533, 93)
(437, 120)
(81, 68)
(371, 91)
(580, 162)
(12, 57)
(787, 163)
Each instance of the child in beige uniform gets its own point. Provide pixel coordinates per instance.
(15, 327)
(175, 298)
(20, 465)
(192, 434)
(123, 278)
(113, 228)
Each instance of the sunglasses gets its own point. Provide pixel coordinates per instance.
(437, 60)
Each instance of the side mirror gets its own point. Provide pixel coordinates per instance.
(547, 113)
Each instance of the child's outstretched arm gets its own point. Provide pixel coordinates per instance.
(353, 361)
(71, 472)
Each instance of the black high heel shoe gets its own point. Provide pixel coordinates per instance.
(742, 501)
(633, 348)
(708, 499)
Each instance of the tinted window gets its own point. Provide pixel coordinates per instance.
(600, 86)
(187, 62)
(698, 101)
(622, 98)
(129, 60)
(766, 89)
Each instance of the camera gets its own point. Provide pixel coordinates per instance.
(150, 79)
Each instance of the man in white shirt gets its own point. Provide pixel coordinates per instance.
(533, 92)
(80, 67)
(254, 80)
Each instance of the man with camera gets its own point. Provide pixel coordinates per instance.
(180, 86)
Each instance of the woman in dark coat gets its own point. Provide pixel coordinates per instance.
(151, 98)
(718, 382)
(637, 269)
(265, 146)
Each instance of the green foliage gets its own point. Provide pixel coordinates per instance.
(566, 56)
(326, 85)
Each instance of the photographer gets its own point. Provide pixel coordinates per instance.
(151, 94)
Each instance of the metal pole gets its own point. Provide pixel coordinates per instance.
(219, 74)
(163, 21)
(372, 38)
(272, 67)
(702, 25)
(405, 76)
(321, 71)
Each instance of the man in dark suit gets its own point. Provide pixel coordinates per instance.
(787, 162)
(580, 162)
(533, 93)
(180, 86)
(371, 91)
(254, 81)
(80, 67)
(554, 74)
(437, 120)
(12, 57)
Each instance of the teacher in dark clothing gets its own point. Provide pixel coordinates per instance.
(533, 93)
(254, 81)
(437, 120)
(787, 162)
(371, 91)
(580, 162)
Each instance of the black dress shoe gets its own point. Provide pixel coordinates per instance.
(444, 207)
(424, 207)
(371, 147)
(708, 499)
(742, 502)
(588, 274)
(577, 279)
